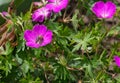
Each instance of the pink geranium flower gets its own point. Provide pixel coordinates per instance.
(57, 5)
(117, 60)
(104, 10)
(41, 14)
(39, 36)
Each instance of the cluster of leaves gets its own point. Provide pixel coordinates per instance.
(82, 48)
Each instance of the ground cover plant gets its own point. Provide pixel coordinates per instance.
(59, 41)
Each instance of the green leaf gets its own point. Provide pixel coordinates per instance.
(18, 2)
(75, 20)
(83, 42)
(76, 47)
(25, 67)
(19, 60)
(63, 60)
(8, 49)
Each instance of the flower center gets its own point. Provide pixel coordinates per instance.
(57, 2)
(39, 40)
(45, 12)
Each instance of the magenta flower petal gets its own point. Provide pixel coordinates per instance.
(54, 8)
(5, 14)
(57, 5)
(51, 0)
(41, 14)
(47, 37)
(98, 8)
(104, 10)
(117, 60)
(39, 29)
(39, 36)
(110, 9)
(29, 36)
(36, 16)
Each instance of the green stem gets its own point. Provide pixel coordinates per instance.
(102, 55)
(104, 26)
(104, 23)
(99, 75)
(113, 51)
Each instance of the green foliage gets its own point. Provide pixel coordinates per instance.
(80, 52)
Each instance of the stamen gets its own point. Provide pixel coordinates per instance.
(39, 40)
